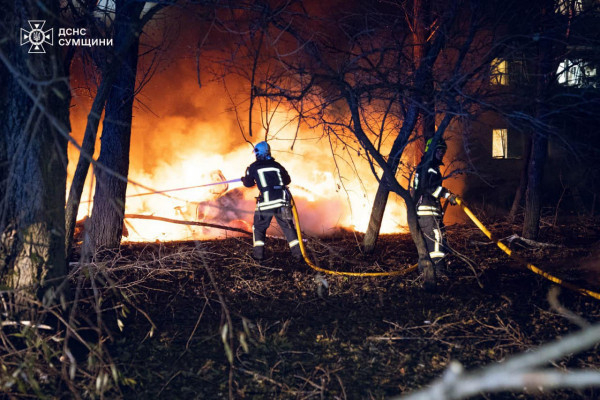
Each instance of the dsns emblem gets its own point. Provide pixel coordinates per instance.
(36, 36)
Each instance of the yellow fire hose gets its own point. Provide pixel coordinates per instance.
(327, 271)
(477, 222)
(529, 266)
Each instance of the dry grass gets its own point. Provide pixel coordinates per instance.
(203, 320)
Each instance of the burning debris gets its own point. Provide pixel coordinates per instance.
(229, 208)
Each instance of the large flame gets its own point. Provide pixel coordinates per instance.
(184, 136)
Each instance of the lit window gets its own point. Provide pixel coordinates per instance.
(569, 7)
(500, 143)
(576, 73)
(499, 72)
(569, 72)
(589, 73)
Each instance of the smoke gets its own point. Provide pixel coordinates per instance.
(319, 218)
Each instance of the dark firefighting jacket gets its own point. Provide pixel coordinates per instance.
(271, 179)
(429, 190)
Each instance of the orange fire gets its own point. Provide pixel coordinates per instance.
(184, 136)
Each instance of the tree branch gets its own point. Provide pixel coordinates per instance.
(518, 373)
(177, 221)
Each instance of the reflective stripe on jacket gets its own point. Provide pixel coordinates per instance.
(271, 178)
(428, 187)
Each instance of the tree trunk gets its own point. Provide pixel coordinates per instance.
(539, 147)
(393, 185)
(421, 46)
(110, 69)
(89, 140)
(106, 224)
(34, 121)
(422, 9)
(533, 203)
(383, 191)
(520, 193)
(376, 218)
(83, 164)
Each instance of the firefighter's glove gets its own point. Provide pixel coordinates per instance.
(452, 199)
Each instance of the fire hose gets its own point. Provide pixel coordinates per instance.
(411, 268)
(477, 222)
(162, 192)
(528, 265)
(186, 188)
(342, 273)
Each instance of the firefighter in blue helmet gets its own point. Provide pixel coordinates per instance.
(428, 191)
(274, 200)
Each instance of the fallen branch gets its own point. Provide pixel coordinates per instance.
(182, 222)
(518, 240)
(517, 373)
(562, 310)
(531, 243)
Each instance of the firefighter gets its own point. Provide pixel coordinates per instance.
(274, 200)
(428, 191)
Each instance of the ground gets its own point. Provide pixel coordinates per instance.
(206, 321)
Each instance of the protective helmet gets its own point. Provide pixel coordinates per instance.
(441, 144)
(262, 151)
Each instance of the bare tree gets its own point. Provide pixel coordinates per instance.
(116, 92)
(109, 63)
(555, 27)
(422, 28)
(34, 121)
(356, 75)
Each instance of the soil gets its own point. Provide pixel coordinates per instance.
(225, 325)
